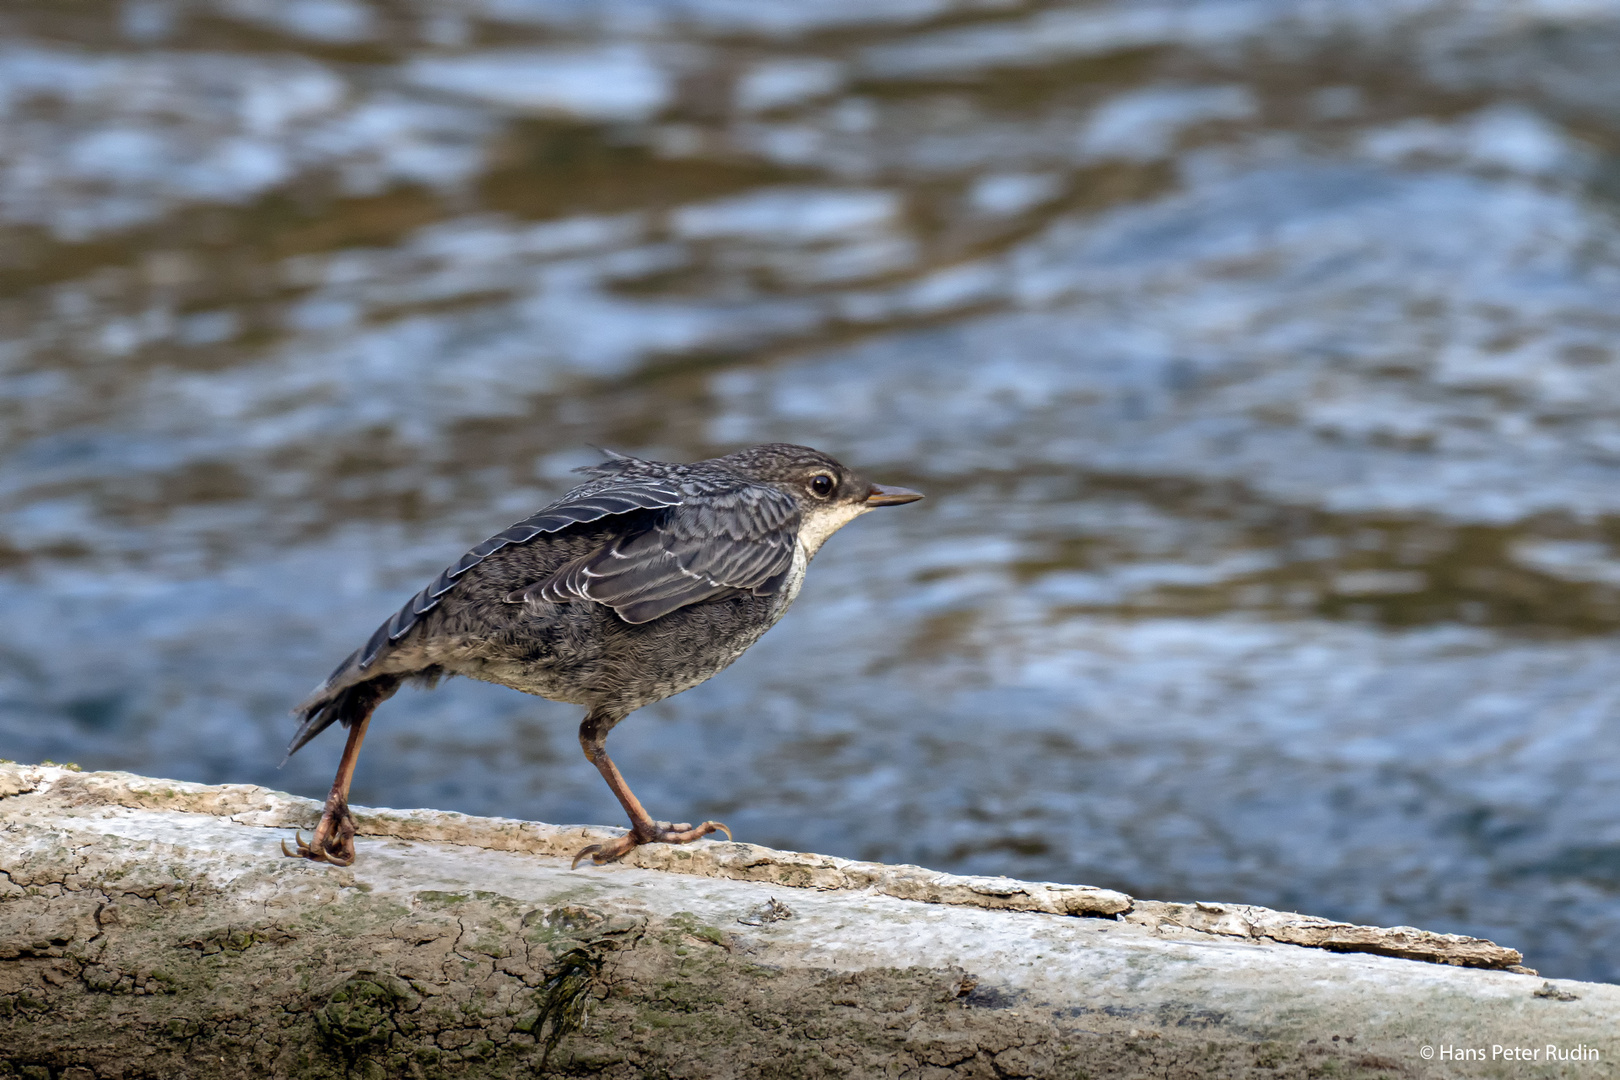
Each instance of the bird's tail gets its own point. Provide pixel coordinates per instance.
(348, 705)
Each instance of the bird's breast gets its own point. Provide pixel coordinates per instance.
(793, 582)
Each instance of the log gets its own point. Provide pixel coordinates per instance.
(151, 928)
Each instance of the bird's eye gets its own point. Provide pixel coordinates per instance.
(821, 485)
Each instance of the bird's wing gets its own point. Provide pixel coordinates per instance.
(599, 499)
(731, 539)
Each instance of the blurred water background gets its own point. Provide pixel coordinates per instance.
(1258, 358)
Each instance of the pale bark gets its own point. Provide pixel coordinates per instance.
(153, 929)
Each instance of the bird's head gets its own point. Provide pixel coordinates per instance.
(830, 495)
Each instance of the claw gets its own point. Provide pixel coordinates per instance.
(659, 833)
(332, 841)
(601, 854)
(302, 849)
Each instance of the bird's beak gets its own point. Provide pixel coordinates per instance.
(884, 495)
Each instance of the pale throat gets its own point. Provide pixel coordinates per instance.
(824, 522)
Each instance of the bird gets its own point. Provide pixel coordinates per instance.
(641, 582)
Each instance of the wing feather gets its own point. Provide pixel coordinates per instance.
(705, 540)
(607, 497)
(734, 539)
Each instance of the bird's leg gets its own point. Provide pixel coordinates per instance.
(333, 841)
(643, 829)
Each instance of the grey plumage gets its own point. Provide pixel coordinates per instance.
(719, 539)
(586, 503)
(639, 583)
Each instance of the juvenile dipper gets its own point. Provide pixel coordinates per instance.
(634, 586)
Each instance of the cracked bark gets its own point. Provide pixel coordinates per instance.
(150, 929)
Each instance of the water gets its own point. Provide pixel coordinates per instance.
(1257, 358)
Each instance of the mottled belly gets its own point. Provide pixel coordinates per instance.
(626, 666)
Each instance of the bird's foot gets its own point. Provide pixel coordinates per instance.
(648, 832)
(333, 840)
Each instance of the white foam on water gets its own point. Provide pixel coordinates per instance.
(782, 81)
(789, 214)
(1013, 193)
(607, 82)
(1143, 125)
(333, 21)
